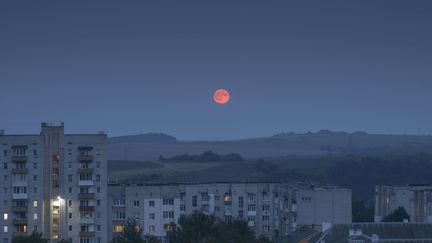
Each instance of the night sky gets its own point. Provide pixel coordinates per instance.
(131, 67)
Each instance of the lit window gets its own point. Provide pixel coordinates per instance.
(35, 203)
(5, 216)
(118, 228)
(35, 216)
(227, 198)
(152, 228)
(5, 229)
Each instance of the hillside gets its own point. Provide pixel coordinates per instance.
(151, 146)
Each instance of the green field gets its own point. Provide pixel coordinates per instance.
(172, 172)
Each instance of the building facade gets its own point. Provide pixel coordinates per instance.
(415, 199)
(270, 209)
(54, 183)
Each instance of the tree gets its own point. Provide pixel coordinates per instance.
(65, 241)
(151, 239)
(202, 228)
(35, 237)
(132, 233)
(397, 216)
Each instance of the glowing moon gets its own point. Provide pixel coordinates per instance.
(221, 96)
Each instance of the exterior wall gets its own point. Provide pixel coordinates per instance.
(271, 209)
(316, 206)
(416, 200)
(51, 170)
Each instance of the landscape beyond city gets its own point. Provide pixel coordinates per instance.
(228, 121)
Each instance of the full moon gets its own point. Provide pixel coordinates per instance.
(221, 96)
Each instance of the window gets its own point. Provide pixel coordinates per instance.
(98, 178)
(168, 214)
(70, 189)
(35, 177)
(86, 176)
(227, 197)
(136, 203)
(151, 216)
(34, 165)
(152, 228)
(70, 215)
(241, 213)
(251, 207)
(35, 153)
(266, 217)
(5, 165)
(98, 190)
(266, 228)
(35, 190)
(120, 215)
(98, 202)
(169, 201)
(98, 228)
(240, 202)
(19, 190)
(151, 203)
(70, 165)
(69, 178)
(118, 202)
(182, 207)
(266, 207)
(70, 203)
(251, 197)
(35, 204)
(5, 216)
(5, 229)
(35, 216)
(217, 209)
(251, 218)
(194, 201)
(70, 227)
(5, 152)
(118, 228)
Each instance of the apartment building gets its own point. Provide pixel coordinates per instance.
(415, 199)
(54, 183)
(270, 209)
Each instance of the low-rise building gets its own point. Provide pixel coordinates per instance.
(415, 199)
(270, 209)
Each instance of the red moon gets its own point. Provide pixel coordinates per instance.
(221, 96)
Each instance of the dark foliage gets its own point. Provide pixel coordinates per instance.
(207, 156)
(362, 211)
(35, 237)
(202, 228)
(266, 167)
(397, 216)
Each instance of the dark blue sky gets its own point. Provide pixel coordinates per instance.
(129, 67)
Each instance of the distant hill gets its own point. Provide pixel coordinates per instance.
(160, 138)
(151, 146)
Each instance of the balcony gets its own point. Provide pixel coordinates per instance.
(86, 208)
(20, 196)
(89, 220)
(85, 170)
(19, 158)
(86, 195)
(85, 183)
(19, 234)
(17, 209)
(20, 170)
(87, 234)
(20, 221)
(85, 158)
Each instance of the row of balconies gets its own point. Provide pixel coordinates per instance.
(24, 158)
